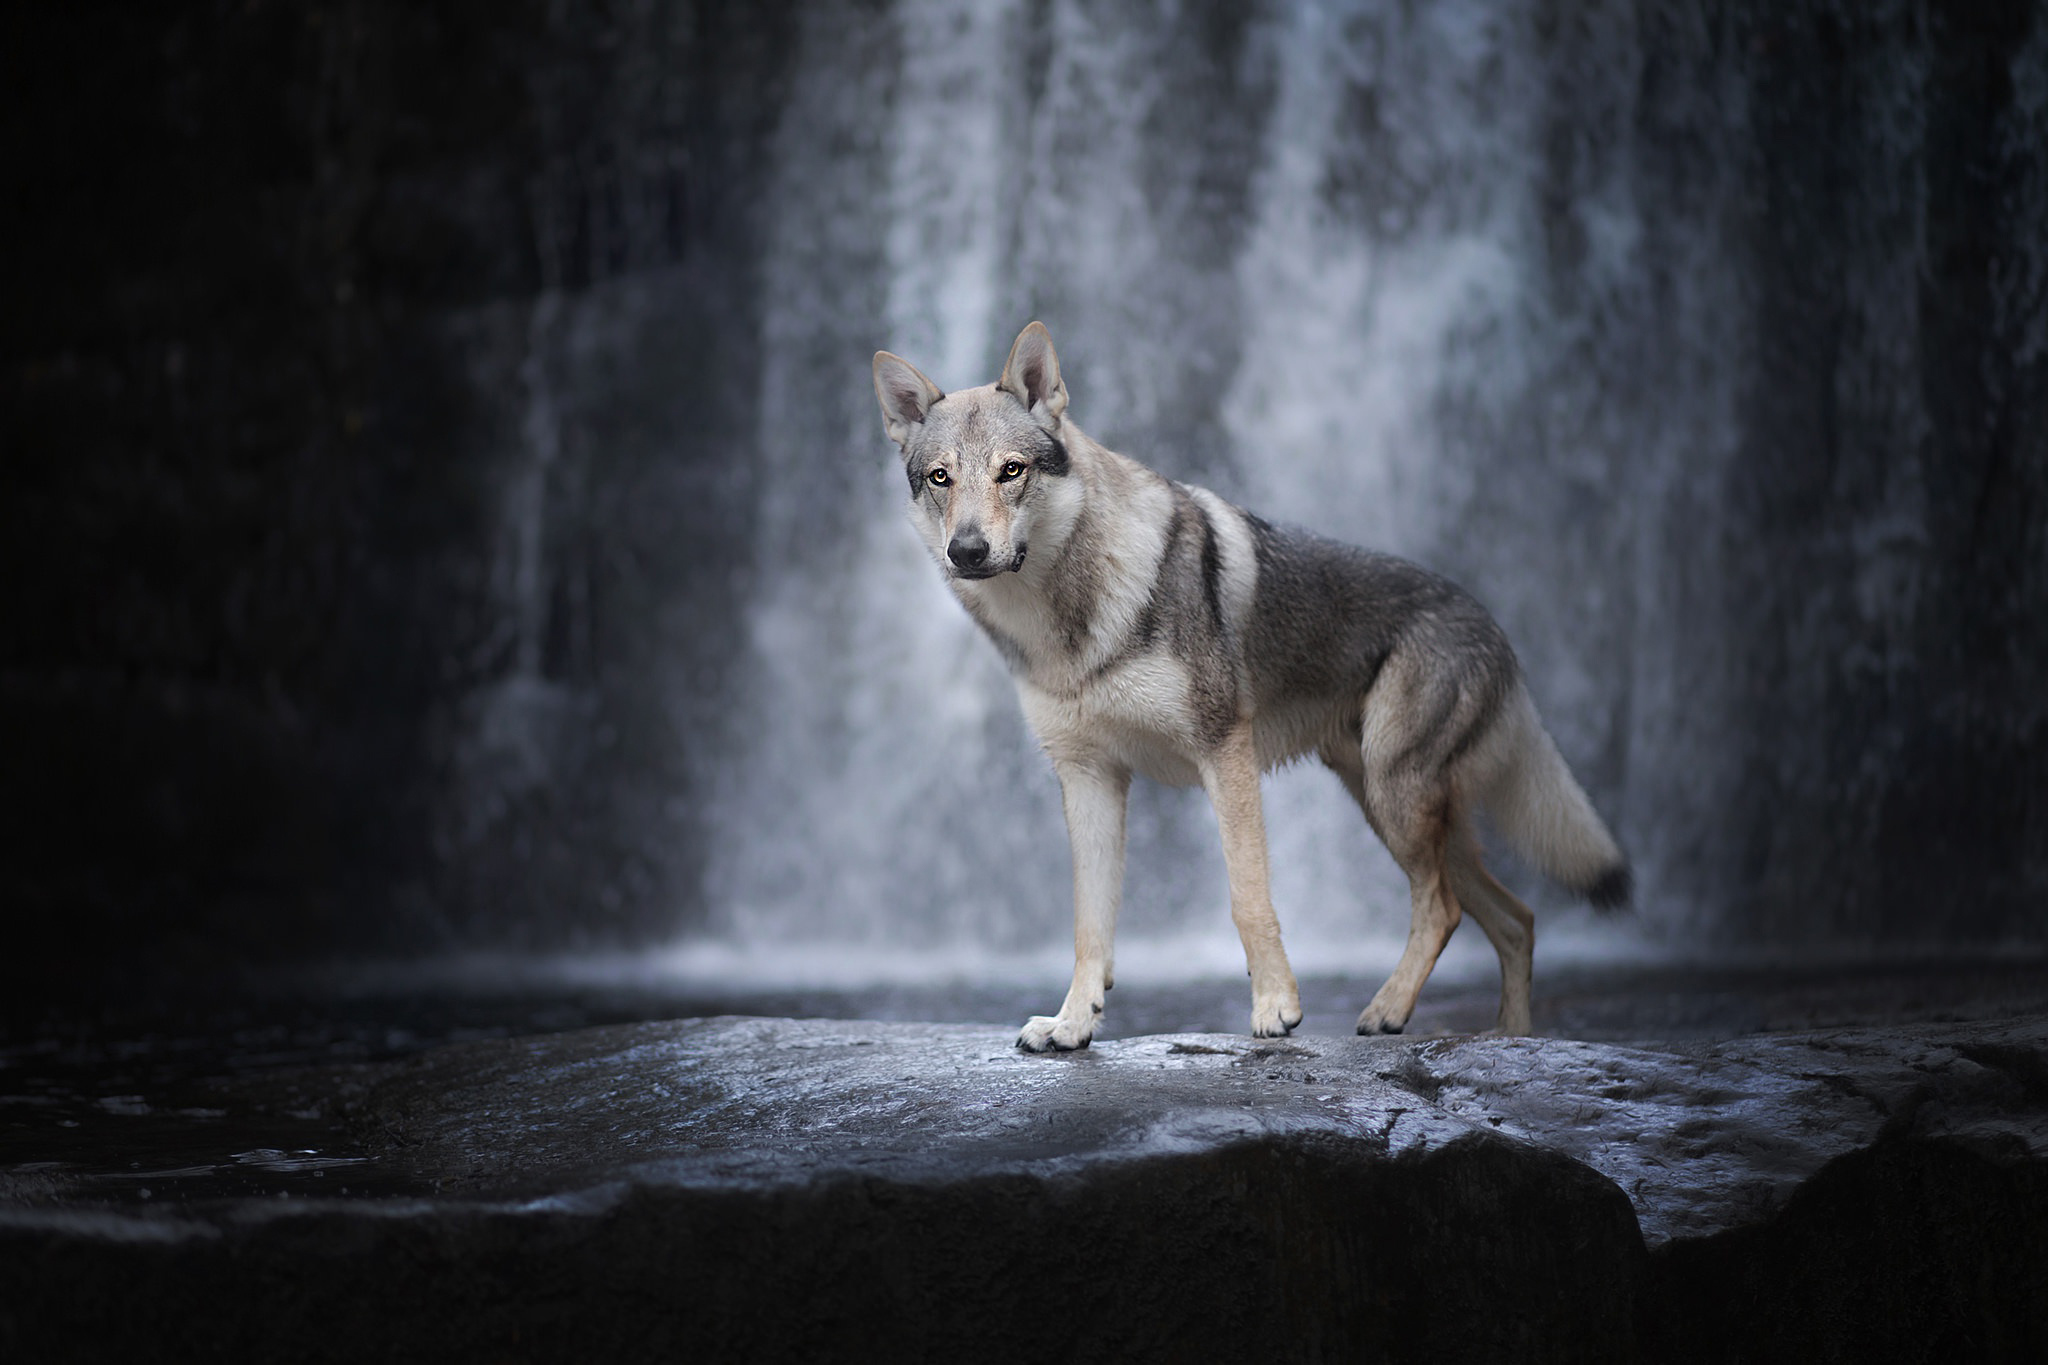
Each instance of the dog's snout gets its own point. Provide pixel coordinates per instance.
(969, 550)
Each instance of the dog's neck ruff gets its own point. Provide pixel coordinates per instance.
(1085, 584)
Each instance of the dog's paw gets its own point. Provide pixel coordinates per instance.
(1389, 1010)
(1055, 1033)
(1381, 1018)
(1275, 1018)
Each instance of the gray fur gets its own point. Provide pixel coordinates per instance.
(1329, 616)
(1153, 628)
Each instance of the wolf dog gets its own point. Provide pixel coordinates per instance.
(1151, 627)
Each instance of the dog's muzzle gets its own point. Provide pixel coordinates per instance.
(969, 553)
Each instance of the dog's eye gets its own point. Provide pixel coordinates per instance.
(1011, 469)
(938, 478)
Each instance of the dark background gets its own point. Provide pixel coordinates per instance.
(412, 415)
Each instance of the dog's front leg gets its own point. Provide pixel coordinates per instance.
(1231, 777)
(1094, 796)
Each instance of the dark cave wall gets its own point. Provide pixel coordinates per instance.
(291, 278)
(1890, 498)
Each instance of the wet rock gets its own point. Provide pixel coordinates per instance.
(773, 1189)
(1706, 1137)
(1702, 1137)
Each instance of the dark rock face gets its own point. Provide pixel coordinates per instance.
(773, 1189)
(348, 500)
(1909, 1250)
(1171, 1258)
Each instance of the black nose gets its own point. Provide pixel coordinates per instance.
(969, 550)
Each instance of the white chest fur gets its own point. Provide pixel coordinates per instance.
(1136, 715)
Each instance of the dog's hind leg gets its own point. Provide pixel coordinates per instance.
(1423, 845)
(1509, 925)
(1230, 775)
(1416, 827)
(1095, 797)
(1401, 781)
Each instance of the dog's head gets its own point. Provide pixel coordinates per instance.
(988, 469)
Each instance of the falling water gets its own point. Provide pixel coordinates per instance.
(1300, 258)
(1543, 297)
(462, 519)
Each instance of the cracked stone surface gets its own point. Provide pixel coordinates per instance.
(1709, 1137)
(774, 1188)
(1700, 1137)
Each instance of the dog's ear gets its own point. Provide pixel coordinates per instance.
(906, 395)
(1032, 373)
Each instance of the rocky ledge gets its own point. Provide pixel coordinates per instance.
(740, 1189)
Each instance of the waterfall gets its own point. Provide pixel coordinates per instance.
(1300, 260)
(1622, 317)
(462, 512)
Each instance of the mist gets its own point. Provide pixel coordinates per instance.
(449, 519)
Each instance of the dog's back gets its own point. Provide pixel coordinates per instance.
(1329, 616)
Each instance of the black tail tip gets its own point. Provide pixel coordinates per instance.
(1614, 888)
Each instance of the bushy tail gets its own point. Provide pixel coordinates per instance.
(1539, 807)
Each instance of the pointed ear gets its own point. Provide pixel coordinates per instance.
(905, 394)
(1033, 374)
